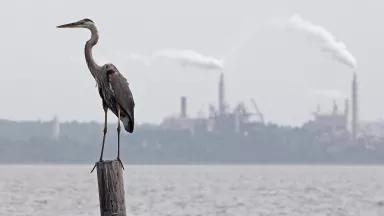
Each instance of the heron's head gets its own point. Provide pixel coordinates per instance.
(84, 23)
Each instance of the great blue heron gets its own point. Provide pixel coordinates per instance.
(113, 87)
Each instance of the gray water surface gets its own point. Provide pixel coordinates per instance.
(67, 190)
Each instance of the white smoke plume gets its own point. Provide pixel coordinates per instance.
(184, 57)
(190, 58)
(328, 42)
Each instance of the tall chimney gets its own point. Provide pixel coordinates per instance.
(221, 95)
(183, 107)
(346, 113)
(335, 108)
(355, 108)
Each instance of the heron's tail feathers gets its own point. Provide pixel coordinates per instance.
(128, 124)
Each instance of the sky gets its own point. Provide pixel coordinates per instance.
(44, 71)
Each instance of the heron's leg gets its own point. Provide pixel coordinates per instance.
(118, 136)
(104, 133)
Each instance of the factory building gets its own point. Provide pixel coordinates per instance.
(182, 121)
(220, 120)
(334, 122)
(338, 124)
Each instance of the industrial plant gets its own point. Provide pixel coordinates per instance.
(238, 134)
(221, 119)
(337, 124)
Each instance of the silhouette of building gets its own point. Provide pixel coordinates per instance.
(355, 108)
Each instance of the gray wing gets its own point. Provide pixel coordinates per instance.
(124, 98)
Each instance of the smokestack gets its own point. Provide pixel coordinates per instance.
(346, 112)
(355, 108)
(335, 109)
(183, 107)
(221, 95)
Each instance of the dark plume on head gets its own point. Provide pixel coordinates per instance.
(88, 20)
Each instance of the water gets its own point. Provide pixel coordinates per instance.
(63, 190)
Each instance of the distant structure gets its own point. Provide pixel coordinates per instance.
(258, 112)
(222, 119)
(222, 106)
(337, 127)
(183, 107)
(355, 108)
(335, 109)
(329, 123)
(346, 109)
(55, 128)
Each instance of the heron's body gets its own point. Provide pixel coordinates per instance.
(113, 87)
(112, 99)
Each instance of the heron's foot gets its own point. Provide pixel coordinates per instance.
(121, 163)
(96, 165)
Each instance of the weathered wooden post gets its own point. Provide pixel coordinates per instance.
(111, 188)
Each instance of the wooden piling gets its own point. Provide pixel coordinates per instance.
(111, 188)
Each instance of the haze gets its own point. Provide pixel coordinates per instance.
(44, 72)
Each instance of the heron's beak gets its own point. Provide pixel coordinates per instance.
(69, 25)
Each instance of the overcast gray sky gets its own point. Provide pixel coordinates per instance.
(44, 71)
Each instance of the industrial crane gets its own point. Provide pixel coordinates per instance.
(258, 113)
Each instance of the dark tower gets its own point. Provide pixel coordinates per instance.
(183, 107)
(355, 108)
(221, 95)
(346, 113)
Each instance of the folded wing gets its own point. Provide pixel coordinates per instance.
(124, 98)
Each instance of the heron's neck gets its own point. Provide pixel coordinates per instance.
(93, 67)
